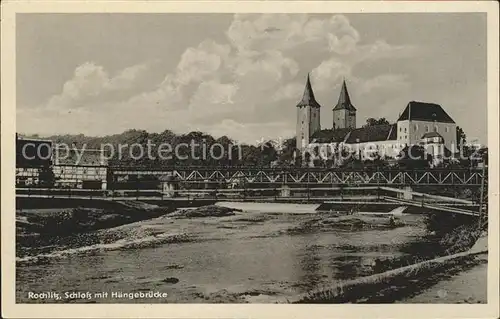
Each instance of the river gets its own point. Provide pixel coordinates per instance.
(249, 257)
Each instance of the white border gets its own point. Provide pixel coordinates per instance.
(10, 309)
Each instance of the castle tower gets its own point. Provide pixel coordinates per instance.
(344, 113)
(308, 117)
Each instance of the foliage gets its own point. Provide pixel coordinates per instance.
(235, 154)
(461, 137)
(46, 177)
(413, 156)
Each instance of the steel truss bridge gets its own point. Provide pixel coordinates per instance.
(318, 176)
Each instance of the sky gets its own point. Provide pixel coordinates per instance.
(241, 75)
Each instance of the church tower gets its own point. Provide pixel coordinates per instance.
(344, 113)
(308, 117)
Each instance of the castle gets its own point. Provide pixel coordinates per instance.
(421, 123)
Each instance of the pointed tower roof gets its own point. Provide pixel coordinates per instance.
(308, 97)
(344, 101)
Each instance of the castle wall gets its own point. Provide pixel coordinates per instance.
(368, 150)
(411, 132)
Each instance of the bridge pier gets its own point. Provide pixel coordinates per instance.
(285, 191)
(168, 189)
(406, 194)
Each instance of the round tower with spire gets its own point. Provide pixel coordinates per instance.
(344, 113)
(308, 116)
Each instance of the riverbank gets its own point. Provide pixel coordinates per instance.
(261, 253)
(83, 218)
(41, 231)
(468, 286)
(414, 283)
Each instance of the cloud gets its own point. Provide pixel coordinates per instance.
(393, 82)
(288, 31)
(196, 64)
(214, 97)
(288, 92)
(91, 81)
(380, 49)
(245, 132)
(255, 75)
(330, 74)
(126, 78)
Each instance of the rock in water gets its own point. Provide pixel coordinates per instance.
(171, 280)
(205, 211)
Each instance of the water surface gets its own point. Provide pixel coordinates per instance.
(249, 257)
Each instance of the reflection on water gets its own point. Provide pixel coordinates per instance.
(254, 260)
(310, 265)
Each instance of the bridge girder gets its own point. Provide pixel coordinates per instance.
(313, 176)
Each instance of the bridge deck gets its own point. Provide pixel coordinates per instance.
(432, 206)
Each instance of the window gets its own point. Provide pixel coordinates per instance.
(400, 128)
(405, 129)
(416, 127)
(446, 129)
(427, 128)
(435, 129)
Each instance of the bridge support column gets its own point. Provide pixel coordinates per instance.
(285, 191)
(406, 194)
(168, 189)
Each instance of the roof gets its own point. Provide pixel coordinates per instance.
(373, 133)
(431, 134)
(421, 111)
(344, 101)
(30, 139)
(393, 134)
(308, 98)
(330, 135)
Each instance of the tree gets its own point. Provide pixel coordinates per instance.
(307, 159)
(372, 121)
(46, 177)
(461, 137)
(287, 151)
(268, 153)
(413, 156)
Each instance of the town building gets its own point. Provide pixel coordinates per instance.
(33, 162)
(413, 126)
(42, 163)
(419, 118)
(80, 168)
(434, 144)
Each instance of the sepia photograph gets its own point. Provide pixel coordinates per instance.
(337, 156)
